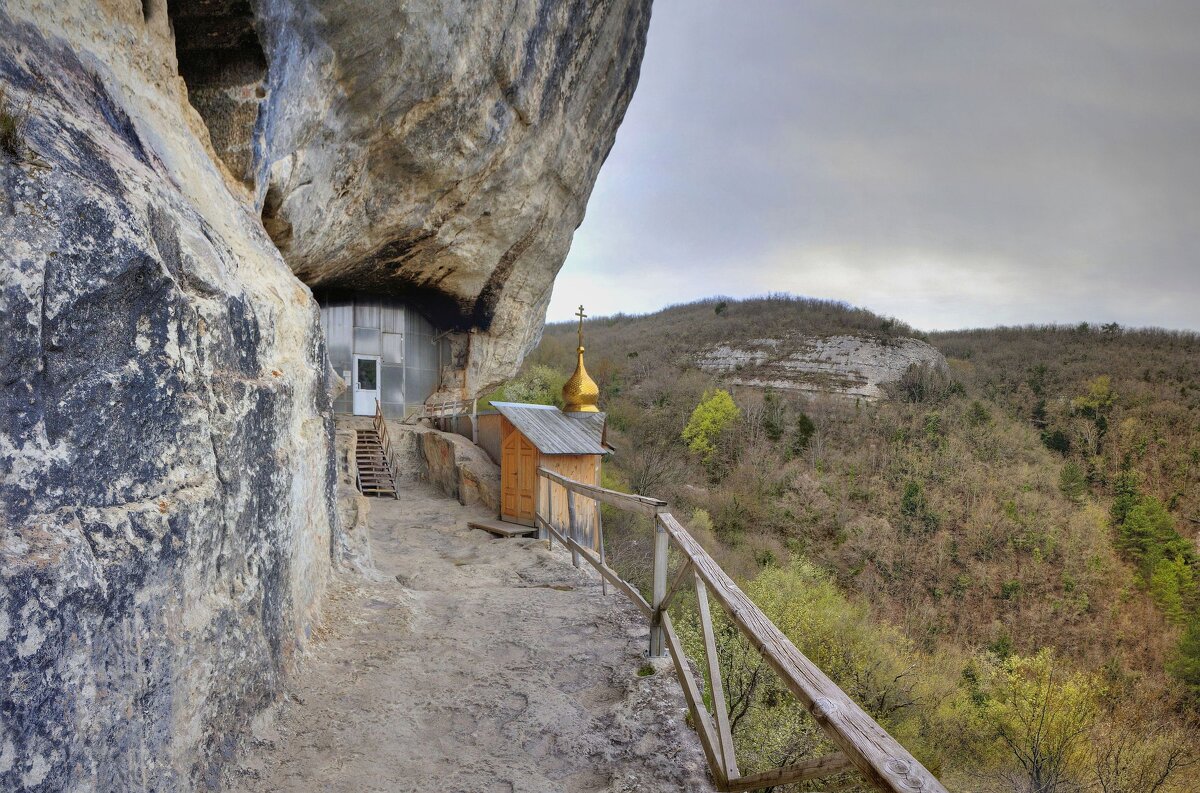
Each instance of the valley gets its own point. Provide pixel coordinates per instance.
(1010, 531)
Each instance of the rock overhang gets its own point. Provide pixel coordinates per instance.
(441, 154)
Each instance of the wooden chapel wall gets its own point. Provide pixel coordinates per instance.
(582, 468)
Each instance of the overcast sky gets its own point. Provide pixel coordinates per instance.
(953, 163)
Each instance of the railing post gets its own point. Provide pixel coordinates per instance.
(574, 528)
(549, 519)
(600, 540)
(658, 645)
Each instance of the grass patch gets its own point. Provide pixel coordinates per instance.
(12, 127)
(645, 670)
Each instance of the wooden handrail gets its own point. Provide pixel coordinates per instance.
(381, 430)
(626, 501)
(863, 745)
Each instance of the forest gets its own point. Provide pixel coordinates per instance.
(998, 560)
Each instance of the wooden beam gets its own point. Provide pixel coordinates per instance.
(681, 575)
(630, 503)
(662, 545)
(830, 764)
(691, 693)
(573, 528)
(600, 541)
(720, 708)
(604, 570)
(877, 755)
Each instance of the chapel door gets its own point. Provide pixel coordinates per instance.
(518, 491)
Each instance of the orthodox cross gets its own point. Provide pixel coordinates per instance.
(581, 316)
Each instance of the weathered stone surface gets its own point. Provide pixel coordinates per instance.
(166, 477)
(442, 150)
(353, 546)
(853, 366)
(168, 480)
(453, 464)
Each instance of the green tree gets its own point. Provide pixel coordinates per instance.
(1185, 666)
(1148, 533)
(712, 416)
(1097, 403)
(772, 420)
(1041, 715)
(1072, 482)
(802, 436)
(538, 385)
(1173, 587)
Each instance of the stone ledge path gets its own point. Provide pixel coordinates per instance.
(476, 665)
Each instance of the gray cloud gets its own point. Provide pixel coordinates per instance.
(957, 163)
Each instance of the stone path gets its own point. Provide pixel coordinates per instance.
(476, 664)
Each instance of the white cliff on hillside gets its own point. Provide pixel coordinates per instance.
(847, 365)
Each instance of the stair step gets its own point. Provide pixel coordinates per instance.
(375, 476)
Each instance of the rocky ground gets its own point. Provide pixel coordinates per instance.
(473, 664)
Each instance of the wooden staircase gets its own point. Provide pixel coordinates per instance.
(372, 455)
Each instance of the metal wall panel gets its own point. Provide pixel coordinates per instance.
(393, 347)
(339, 334)
(372, 325)
(392, 385)
(367, 312)
(393, 316)
(366, 341)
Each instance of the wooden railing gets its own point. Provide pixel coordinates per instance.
(863, 745)
(380, 425)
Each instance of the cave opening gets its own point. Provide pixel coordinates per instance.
(223, 63)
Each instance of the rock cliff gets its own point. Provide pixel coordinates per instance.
(439, 151)
(848, 365)
(168, 513)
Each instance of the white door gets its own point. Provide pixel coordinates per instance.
(366, 384)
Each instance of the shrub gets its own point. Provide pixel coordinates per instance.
(710, 418)
(1185, 666)
(1072, 482)
(921, 383)
(12, 127)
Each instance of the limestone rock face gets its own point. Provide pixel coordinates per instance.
(166, 472)
(854, 366)
(453, 464)
(442, 150)
(168, 485)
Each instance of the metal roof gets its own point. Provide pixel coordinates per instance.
(555, 432)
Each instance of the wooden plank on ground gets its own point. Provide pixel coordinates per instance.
(502, 528)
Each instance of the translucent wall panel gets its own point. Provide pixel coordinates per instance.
(338, 332)
(393, 347)
(393, 384)
(366, 341)
(393, 316)
(366, 312)
(419, 384)
(363, 324)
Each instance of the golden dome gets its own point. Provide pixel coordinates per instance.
(580, 393)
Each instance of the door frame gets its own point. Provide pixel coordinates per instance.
(513, 445)
(354, 390)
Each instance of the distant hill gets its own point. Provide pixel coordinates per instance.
(1027, 505)
(782, 342)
